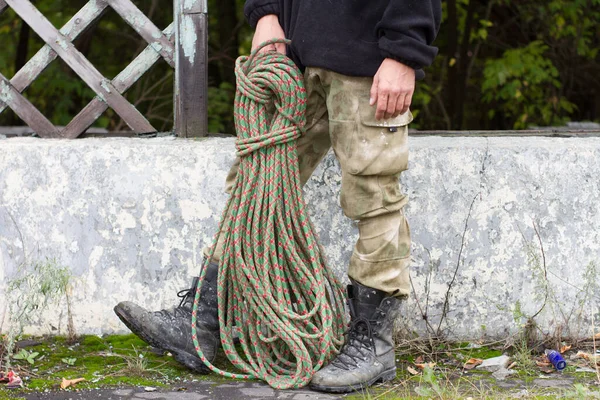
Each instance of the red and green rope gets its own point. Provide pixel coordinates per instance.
(274, 288)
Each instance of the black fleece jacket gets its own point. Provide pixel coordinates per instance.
(352, 37)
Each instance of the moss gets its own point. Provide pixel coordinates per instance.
(118, 360)
(125, 360)
(481, 352)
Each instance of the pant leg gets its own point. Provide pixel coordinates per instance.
(312, 146)
(372, 154)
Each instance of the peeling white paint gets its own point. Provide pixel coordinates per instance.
(194, 210)
(188, 37)
(5, 94)
(131, 216)
(74, 246)
(138, 20)
(62, 43)
(126, 220)
(95, 256)
(105, 85)
(157, 47)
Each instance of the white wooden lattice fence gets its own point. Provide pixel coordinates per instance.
(182, 44)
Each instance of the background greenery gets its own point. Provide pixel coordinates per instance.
(503, 64)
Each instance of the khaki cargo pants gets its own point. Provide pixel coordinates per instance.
(372, 154)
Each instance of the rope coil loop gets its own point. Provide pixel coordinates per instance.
(274, 288)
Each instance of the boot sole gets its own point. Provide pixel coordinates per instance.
(191, 361)
(385, 376)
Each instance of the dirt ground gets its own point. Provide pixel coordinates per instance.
(124, 367)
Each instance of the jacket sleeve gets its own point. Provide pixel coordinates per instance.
(407, 29)
(256, 9)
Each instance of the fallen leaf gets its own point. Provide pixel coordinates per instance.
(597, 335)
(472, 363)
(419, 360)
(425, 365)
(70, 382)
(593, 358)
(581, 354)
(543, 364)
(412, 371)
(512, 365)
(547, 370)
(565, 348)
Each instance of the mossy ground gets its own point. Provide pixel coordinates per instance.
(111, 361)
(126, 361)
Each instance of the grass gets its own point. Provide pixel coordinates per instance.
(126, 361)
(112, 361)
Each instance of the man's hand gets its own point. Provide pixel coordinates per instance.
(268, 28)
(392, 90)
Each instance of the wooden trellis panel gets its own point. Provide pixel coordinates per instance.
(59, 43)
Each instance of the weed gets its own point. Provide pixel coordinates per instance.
(581, 392)
(28, 294)
(69, 361)
(26, 355)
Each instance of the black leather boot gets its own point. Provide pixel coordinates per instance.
(171, 329)
(367, 357)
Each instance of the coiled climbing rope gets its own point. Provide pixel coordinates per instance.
(274, 288)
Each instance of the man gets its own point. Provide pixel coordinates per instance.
(360, 60)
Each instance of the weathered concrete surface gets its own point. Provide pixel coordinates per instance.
(201, 390)
(130, 217)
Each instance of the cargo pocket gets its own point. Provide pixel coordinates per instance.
(374, 147)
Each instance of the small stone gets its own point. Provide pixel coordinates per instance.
(502, 373)
(150, 389)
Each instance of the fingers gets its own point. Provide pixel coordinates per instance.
(393, 100)
(268, 48)
(406, 103)
(387, 101)
(391, 103)
(382, 103)
(403, 104)
(280, 48)
(374, 88)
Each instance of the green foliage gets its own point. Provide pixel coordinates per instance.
(27, 356)
(219, 107)
(69, 361)
(28, 294)
(515, 63)
(430, 386)
(524, 84)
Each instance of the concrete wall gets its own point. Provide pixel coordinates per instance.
(130, 217)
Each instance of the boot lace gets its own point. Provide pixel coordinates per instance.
(182, 310)
(185, 295)
(359, 344)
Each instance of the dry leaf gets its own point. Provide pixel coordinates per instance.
(419, 360)
(547, 370)
(512, 365)
(70, 382)
(472, 363)
(425, 365)
(543, 364)
(588, 357)
(412, 371)
(581, 354)
(597, 335)
(565, 348)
